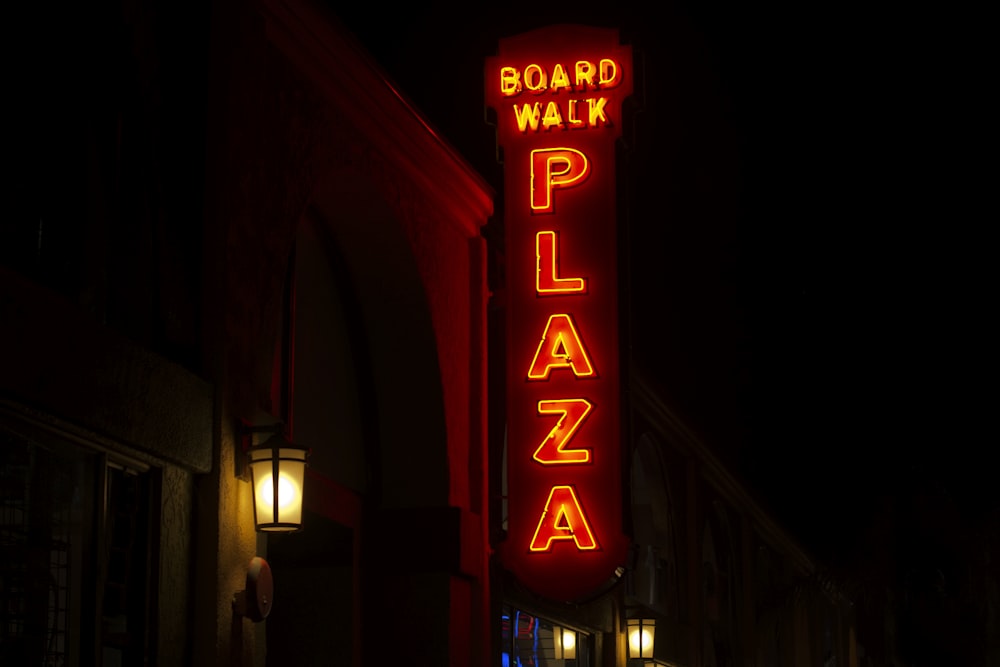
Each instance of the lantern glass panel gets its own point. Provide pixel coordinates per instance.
(641, 633)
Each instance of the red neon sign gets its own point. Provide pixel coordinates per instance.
(557, 93)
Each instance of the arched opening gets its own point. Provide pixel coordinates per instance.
(390, 322)
(720, 588)
(365, 396)
(655, 580)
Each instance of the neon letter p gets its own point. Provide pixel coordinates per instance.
(553, 168)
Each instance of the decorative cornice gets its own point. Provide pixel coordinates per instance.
(342, 70)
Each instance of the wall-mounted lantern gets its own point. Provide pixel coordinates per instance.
(277, 477)
(565, 643)
(641, 634)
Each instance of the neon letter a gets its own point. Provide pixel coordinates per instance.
(563, 519)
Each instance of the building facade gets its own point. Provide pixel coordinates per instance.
(230, 218)
(245, 225)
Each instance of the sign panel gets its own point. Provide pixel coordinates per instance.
(557, 93)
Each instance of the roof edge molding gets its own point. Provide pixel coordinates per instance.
(346, 74)
(645, 400)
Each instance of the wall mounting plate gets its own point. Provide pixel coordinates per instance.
(256, 600)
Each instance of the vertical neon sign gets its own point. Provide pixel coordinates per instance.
(557, 93)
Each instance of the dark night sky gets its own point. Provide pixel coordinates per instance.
(856, 258)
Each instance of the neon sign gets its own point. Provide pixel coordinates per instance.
(557, 93)
(573, 113)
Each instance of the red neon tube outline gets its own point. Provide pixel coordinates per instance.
(564, 345)
(547, 264)
(575, 169)
(566, 503)
(577, 409)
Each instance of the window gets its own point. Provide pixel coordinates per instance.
(533, 641)
(74, 555)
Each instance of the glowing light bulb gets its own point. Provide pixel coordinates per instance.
(287, 491)
(641, 642)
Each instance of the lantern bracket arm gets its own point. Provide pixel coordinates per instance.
(247, 433)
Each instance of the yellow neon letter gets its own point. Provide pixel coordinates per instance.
(610, 74)
(571, 115)
(527, 116)
(535, 78)
(547, 264)
(553, 168)
(510, 81)
(560, 347)
(560, 80)
(552, 116)
(585, 73)
(597, 110)
(563, 519)
(551, 451)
